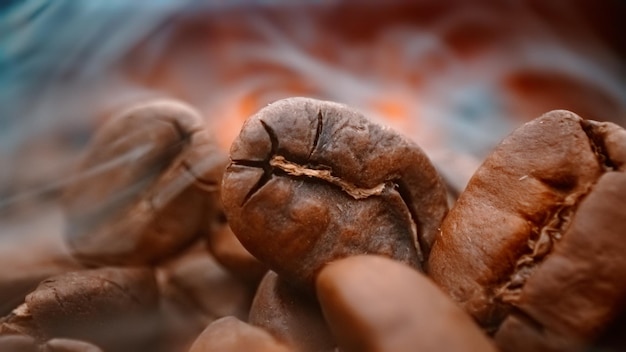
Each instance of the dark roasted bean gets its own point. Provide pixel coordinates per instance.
(533, 248)
(290, 315)
(374, 304)
(312, 181)
(146, 186)
(112, 307)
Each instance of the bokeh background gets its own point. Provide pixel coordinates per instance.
(455, 76)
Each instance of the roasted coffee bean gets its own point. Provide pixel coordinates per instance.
(374, 303)
(195, 290)
(290, 315)
(68, 345)
(230, 334)
(312, 181)
(112, 307)
(532, 247)
(147, 183)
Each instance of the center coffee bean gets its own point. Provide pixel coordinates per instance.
(312, 181)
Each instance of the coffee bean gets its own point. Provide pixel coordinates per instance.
(230, 334)
(373, 303)
(290, 315)
(529, 242)
(312, 181)
(112, 307)
(147, 183)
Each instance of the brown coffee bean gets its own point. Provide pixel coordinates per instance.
(229, 334)
(146, 185)
(69, 345)
(526, 243)
(290, 315)
(312, 181)
(374, 303)
(112, 307)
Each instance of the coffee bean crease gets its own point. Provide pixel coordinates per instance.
(543, 240)
(294, 169)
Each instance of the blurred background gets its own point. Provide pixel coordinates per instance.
(455, 76)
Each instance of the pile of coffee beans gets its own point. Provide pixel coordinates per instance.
(324, 231)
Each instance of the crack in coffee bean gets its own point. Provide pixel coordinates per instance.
(355, 192)
(540, 243)
(275, 161)
(420, 241)
(598, 146)
(291, 168)
(318, 132)
(267, 169)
